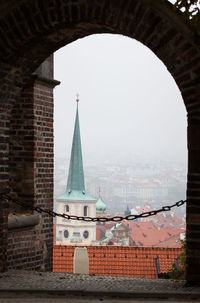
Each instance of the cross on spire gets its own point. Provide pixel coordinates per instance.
(77, 98)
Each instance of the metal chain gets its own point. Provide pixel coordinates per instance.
(38, 209)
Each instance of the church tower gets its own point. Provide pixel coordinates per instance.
(100, 209)
(75, 201)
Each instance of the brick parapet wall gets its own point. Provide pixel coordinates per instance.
(4, 210)
(31, 173)
(44, 162)
(193, 195)
(5, 114)
(21, 149)
(154, 23)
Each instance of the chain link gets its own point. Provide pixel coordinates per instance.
(40, 210)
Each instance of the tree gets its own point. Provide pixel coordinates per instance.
(189, 6)
(178, 273)
(191, 12)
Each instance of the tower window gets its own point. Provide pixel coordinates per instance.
(85, 211)
(66, 208)
(66, 234)
(86, 234)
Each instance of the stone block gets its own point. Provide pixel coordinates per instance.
(81, 261)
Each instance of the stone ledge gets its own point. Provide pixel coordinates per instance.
(88, 295)
(17, 222)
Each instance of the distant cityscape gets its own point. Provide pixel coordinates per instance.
(129, 184)
(110, 188)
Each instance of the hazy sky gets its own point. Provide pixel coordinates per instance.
(130, 106)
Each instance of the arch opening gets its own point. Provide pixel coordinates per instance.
(99, 114)
(155, 24)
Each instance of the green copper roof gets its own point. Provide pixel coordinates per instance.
(76, 176)
(100, 206)
(75, 195)
(75, 184)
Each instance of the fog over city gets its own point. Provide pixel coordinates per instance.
(130, 106)
(132, 122)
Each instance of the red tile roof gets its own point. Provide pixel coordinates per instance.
(166, 219)
(147, 234)
(118, 260)
(170, 238)
(173, 241)
(144, 236)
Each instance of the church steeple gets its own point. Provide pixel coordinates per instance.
(76, 175)
(75, 190)
(75, 201)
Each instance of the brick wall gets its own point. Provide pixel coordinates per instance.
(6, 102)
(21, 149)
(31, 173)
(32, 30)
(43, 164)
(25, 251)
(4, 179)
(4, 210)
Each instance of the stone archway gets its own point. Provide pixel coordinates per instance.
(33, 30)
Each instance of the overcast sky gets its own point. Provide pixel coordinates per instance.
(130, 106)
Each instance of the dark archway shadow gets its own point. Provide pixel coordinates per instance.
(33, 30)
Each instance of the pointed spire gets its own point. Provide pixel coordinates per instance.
(76, 175)
(127, 211)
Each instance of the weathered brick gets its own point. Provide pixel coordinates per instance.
(22, 28)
